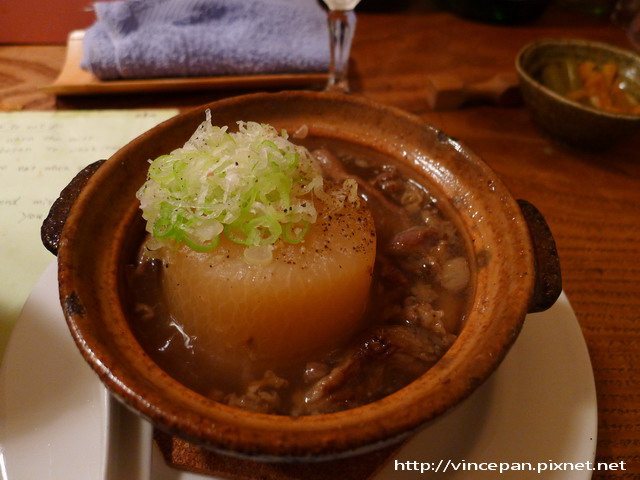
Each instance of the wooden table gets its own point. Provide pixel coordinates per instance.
(591, 200)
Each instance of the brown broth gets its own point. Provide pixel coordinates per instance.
(411, 320)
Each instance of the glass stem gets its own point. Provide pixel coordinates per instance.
(342, 25)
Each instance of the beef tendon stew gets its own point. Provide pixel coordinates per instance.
(301, 279)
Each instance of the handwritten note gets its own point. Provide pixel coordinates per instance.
(40, 152)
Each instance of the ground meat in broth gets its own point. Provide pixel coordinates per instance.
(419, 296)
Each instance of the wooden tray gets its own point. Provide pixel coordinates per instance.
(73, 80)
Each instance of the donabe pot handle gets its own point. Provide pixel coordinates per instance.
(548, 282)
(52, 226)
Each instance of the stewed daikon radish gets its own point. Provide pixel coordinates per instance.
(264, 264)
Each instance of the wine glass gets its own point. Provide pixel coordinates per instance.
(342, 23)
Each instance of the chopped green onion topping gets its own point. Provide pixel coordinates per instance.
(254, 185)
(295, 232)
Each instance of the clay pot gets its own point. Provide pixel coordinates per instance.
(515, 273)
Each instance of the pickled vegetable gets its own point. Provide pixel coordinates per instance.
(589, 83)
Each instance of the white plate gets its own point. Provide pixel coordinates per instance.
(56, 421)
(53, 409)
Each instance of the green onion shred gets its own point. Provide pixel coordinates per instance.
(254, 186)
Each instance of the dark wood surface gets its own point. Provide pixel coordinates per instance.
(591, 200)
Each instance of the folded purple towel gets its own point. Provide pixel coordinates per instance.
(180, 38)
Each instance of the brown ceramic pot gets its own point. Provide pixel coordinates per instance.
(513, 275)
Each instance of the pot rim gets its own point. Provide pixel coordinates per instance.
(176, 409)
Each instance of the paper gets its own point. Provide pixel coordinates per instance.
(40, 152)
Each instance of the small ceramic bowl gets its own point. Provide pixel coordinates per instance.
(510, 249)
(566, 120)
